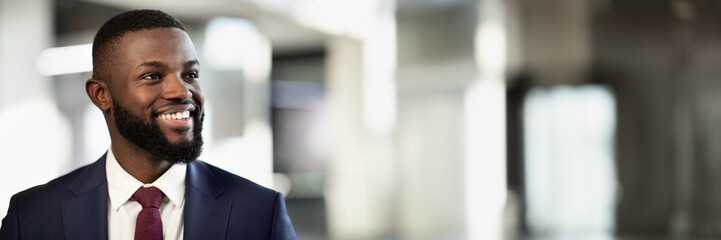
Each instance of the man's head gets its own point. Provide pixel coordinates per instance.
(145, 80)
(107, 37)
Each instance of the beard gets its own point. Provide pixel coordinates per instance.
(149, 137)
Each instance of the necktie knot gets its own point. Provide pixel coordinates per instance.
(148, 197)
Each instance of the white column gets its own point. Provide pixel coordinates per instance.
(485, 123)
(350, 193)
(35, 138)
(362, 97)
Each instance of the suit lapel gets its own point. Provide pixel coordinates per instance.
(206, 216)
(86, 216)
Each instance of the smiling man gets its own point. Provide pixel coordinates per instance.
(149, 185)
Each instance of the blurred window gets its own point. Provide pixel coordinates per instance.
(570, 168)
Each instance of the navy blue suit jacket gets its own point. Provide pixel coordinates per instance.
(218, 205)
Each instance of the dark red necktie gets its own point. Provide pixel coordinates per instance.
(148, 225)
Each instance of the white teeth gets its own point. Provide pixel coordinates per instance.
(177, 116)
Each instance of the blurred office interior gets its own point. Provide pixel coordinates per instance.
(414, 119)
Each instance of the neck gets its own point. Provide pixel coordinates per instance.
(137, 162)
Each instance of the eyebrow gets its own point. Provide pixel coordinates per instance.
(156, 64)
(159, 64)
(191, 63)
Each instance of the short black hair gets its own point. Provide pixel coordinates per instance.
(117, 26)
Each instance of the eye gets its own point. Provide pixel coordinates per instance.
(152, 76)
(193, 75)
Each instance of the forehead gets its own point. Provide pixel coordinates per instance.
(159, 44)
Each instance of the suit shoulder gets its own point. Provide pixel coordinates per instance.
(59, 183)
(233, 182)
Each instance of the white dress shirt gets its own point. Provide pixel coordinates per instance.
(123, 209)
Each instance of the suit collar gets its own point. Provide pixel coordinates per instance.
(86, 216)
(91, 177)
(200, 177)
(206, 214)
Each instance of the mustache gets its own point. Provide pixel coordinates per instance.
(184, 102)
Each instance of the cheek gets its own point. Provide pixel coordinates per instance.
(198, 95)
(145, 97)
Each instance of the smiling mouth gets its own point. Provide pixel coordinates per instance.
(175, 116)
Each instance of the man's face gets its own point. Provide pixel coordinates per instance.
(157, 100)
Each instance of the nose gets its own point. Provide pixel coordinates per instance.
(174, 88)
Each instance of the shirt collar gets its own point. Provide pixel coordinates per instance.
(122, 185)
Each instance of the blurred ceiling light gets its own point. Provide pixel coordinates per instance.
(491, 47)
(65, 60)
(236, 44)
(349, 18)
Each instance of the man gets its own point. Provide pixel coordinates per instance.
(149, 184)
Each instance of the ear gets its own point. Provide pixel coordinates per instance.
(99, 93)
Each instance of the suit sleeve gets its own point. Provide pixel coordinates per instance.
(282, 227)
(9, 228)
